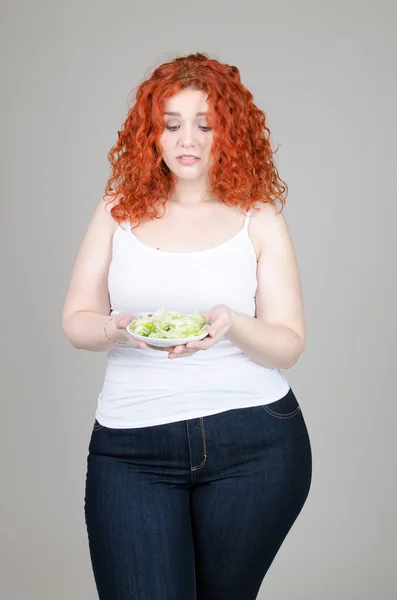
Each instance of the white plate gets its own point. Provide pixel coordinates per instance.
(166, 343)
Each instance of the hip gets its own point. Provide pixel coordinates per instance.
(265, 436)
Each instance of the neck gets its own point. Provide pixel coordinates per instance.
(191, 193)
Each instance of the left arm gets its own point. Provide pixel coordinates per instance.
(276, 337)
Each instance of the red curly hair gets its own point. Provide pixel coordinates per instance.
(242, 171)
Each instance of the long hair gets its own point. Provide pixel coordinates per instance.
(242, 172)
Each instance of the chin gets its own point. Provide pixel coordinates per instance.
(188, 174)
(192, 177)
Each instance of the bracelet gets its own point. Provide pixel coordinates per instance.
(109, 338)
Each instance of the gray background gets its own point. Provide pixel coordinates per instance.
(325, 74)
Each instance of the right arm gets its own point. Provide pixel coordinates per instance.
(87, 305)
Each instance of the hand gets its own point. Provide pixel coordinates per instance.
(219, 319)
(119, 324)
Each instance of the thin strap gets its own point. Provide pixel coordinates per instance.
(247, 219)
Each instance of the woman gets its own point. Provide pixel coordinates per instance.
(199, 460)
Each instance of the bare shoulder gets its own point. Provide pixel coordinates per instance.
(268, 226)
(102, 219)
(267, 216)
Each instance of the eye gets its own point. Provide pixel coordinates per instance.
(176, 127)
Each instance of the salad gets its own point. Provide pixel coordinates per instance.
(169, 324)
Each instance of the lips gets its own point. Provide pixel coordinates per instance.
(187, 156)
(187, 159)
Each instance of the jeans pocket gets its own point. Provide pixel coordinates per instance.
(285, 408)
(97, 426)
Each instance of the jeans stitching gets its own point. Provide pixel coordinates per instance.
(278, 416)
(204, 446)
(188, 442)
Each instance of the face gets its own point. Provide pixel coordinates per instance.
(186, 133)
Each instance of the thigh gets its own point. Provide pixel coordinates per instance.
(138, 522)
(242, 515)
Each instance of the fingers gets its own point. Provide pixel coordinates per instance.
(178, 352)
(167, 349)
(215, 333)
(181, 351)
(179, 348)
(140, 345)
(122, 320)
(202, 345)
(207, 318)
(181, 354)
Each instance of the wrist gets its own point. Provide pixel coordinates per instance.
(233, 321)
(113, 334)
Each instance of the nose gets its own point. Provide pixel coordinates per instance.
(187, 138)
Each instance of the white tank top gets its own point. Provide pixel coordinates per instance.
(142, 387)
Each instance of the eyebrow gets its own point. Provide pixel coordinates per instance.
(177, 114)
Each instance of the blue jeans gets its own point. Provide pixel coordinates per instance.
(196, 509)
